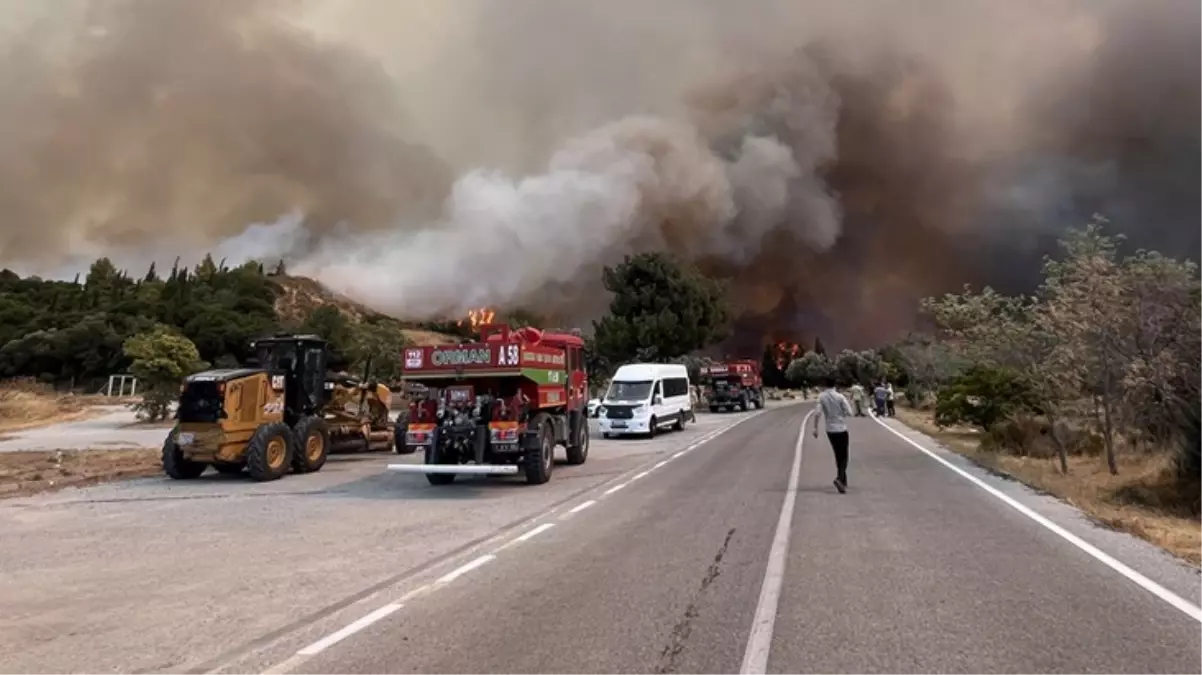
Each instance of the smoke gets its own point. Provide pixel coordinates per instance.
(834, 161)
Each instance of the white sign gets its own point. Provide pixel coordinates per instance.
(413, 358)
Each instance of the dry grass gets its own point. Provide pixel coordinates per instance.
(26, 473)
(1140, 500)
(25, 404)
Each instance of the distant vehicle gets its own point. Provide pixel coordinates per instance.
(645, 397)
(735, 383)
(594, 406)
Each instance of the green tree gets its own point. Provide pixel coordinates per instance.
(810, 370)
(661, 309)
(160, 359)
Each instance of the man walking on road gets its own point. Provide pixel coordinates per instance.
(834, 408)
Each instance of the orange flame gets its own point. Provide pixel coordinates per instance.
(786, 349)
(477, 317)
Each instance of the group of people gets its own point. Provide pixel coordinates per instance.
(834, 409)
(882, 399)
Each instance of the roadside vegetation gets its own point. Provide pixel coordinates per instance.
(1087, 389)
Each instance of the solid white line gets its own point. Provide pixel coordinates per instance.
(1191, 610)
(351, 629)
(455, 574)
(615, 488)
(639, 475)
(659, 464)
(580, 507)
(759, 644)
(679, 454)
(536, 531)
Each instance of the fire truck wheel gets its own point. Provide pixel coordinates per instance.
(578, 453)
(540, 461)
(437, 478)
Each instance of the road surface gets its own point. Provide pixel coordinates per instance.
(111, 429)
(656, 556)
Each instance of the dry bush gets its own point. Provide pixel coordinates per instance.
(27, 402)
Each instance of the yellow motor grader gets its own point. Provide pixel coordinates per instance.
(285, 414)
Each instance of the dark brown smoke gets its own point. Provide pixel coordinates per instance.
(835, 161)
(189, 121)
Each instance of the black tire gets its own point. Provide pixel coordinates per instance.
(606, 434)
(578, 453)
(679, 426)
(743, 405)
(398, 439)
(229, 469)
(713, 408)
(312, 445)
(269, 452)
(653, 427)
(430, 458)
(174, 463)
(540, 462)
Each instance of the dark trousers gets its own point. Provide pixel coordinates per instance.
(891, 409)
(839, 445)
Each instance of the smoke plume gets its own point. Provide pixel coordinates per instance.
(834, 161)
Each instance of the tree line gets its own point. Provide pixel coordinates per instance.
(75, 333)
(1103, 357)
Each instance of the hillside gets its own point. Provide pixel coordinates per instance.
(299, 296)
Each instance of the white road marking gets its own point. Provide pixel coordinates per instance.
(679, 454)
(580, 507)
(615, 488)
(349, 630)
(536, 531)
(1191, 610)
(759, 643)
(464, 569)
(300, 657)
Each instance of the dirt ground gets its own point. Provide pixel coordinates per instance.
(26, 473)
(1088, 486)
(26, 404)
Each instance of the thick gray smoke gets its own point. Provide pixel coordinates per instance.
(834, 160)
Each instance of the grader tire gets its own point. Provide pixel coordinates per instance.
(176, 465)
(312, 445)
(269, 452)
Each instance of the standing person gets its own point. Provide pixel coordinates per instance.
(889, 400)
(857, 397)
(879, 395)
(834, 409)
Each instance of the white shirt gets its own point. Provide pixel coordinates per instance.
(834, 409)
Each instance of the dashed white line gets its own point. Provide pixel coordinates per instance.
(759, 644)
(580, 507)
(1186, 607)
(536, 531)
(464, 569)
(350, 629)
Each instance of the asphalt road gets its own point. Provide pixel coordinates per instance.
(655, 556)
(914, 570)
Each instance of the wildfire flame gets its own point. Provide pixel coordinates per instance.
(786, 349)
(477, 317)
